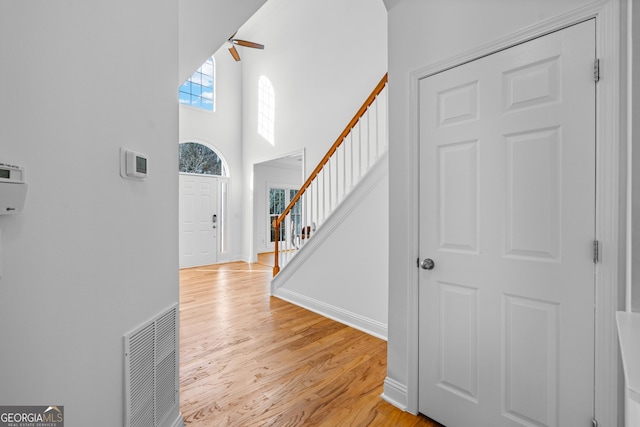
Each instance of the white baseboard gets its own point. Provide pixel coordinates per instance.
(395, 393)
(178, 422)
(239, 257)
(364, 324)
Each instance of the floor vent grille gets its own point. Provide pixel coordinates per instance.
(151, 371)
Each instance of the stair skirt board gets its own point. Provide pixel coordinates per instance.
(364, 324)
(366, 184)
(151, 372)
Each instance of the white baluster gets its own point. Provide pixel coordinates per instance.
(359, 150)
(310, 200)
(368, 142)
(336, 175)
(329, 187)
(377, 121)
(321, 202)
(351, 163)
(344, 168)
(315, 198)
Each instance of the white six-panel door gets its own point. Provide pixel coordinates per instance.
(198, 233)
(507, 196)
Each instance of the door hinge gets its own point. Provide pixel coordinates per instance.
(596, 70)
(594, 422)
(596, 251)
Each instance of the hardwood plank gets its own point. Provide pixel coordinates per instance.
(248, 359)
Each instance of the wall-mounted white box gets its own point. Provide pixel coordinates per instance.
(13, 189)
(12, 197)
(133, 165)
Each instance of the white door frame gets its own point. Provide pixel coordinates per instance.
(253, 231)
(608, 183)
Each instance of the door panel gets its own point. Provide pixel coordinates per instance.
(198, 233)
(531, 365)
(458, 332)
(507, 196)
(458, 196)
(533, 204)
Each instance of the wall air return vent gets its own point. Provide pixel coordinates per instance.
(151, 372)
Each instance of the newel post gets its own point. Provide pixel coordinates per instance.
(276, 267)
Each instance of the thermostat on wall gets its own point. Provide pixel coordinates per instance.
(13, 188)
(133, 165)
(11, 173)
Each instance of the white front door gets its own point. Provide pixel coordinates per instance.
(199, 220)
(507, 215)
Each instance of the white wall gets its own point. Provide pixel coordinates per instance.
(93, 255)
(422, 33)
(205, 25)
(264, 176)
(633, 302)
(345, 276)
(323, 59)
(222, 130)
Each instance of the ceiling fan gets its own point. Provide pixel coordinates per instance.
(245, 43)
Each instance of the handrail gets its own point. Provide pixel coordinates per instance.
(361, 112)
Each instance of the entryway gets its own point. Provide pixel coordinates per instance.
(275, 183)
(203, 200)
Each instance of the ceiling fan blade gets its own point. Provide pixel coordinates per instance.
(234, 53)
(246, 43)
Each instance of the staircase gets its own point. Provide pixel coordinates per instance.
(332, 239)
(359, 147)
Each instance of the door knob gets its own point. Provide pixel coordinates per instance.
(427, 264)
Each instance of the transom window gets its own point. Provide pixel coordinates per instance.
(200, 159)
(197, 91)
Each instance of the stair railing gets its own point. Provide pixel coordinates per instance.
(357, 148)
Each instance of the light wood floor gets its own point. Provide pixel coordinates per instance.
(248, 359)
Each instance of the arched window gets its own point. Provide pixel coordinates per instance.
(266, 109)
(197, 91)
(200, 159)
